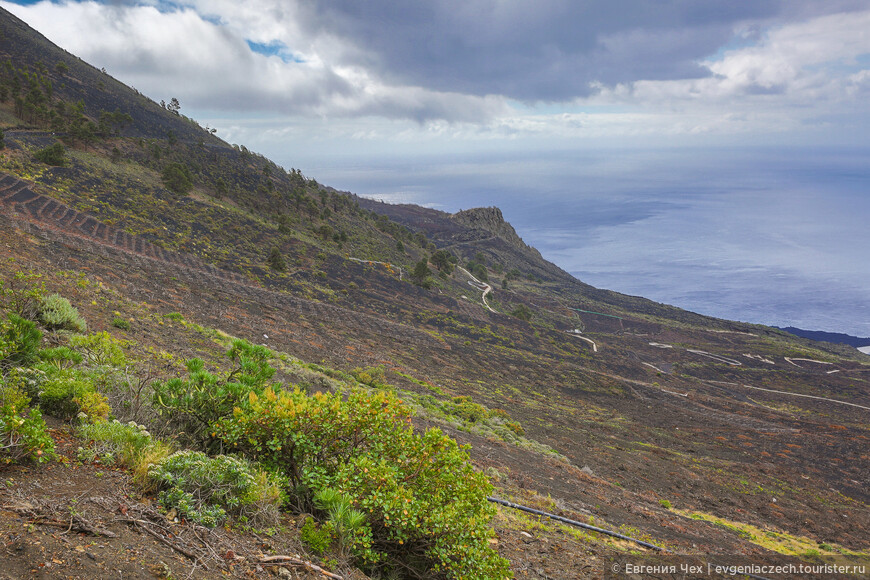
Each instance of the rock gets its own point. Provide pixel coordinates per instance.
(491, 220)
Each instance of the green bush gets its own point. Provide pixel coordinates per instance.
(346, 525)
(522, 312)
(465, 409)
(23, 434)
(26, 379)
(101, 349)
(121, 323)
(317, 538)
(207, 489)
(19, 342)
(129, 444)
(424, 506)
(123, 440)
(62, 392)
(52, 155)
(61, 357)
(478, 270)
(444, 261)
(276, 260)
(93, 407)
(420, 274)
(196, 403)
(21, 294)
(56, 313)
(371, 376)
(177, 178)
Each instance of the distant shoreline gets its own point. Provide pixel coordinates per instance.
(835, 337)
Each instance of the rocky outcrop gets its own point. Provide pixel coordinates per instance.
(491, 220)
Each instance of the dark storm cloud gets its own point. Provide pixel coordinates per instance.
(535, 50)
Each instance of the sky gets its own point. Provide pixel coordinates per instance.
(440, 75)
(597, 126)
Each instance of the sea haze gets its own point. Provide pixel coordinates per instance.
(773, 236)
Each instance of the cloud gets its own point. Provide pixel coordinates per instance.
(485, 69)
(525, 50)
(202, 59)
(804, 60)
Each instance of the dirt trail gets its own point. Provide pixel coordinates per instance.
(486, 288)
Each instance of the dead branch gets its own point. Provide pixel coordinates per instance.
(292, 561)
(78, 524)
(143, 525)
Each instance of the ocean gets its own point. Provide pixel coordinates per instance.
(767, 235)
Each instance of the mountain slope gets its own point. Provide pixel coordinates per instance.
(600, 406)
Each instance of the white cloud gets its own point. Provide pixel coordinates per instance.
(794, 65)
(208, 64)
(336, 65)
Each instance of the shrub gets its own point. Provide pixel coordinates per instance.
(23, 434)
(21, 294)
(420, 274)
(515, 427)
(478, 270)
(424, 506)
(26, 379)
(125, 440)
(346, 525)
(61, 357)
(56, 312)
(371, 376)
(465, 409)
(444, 261)
(177, 178)
(665, 503)
(522, 312)
(276, 260)
(101, 349)
(317, 538)
(197, 402)
(206, 489)
(60, 392)
(19, 342)
(130, 444)
(52, 155)
(93, 407)
(121, 323)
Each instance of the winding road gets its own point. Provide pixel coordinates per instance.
(486, 288)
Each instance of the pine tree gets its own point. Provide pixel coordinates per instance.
(276, 260)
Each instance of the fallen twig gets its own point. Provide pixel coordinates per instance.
(76, 524)
(291, 561)
(143, 525)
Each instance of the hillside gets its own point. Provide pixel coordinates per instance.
(700, 435)
(833, 337)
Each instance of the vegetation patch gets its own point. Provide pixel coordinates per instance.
(208, 489)
(773, 539)
(424, 505)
